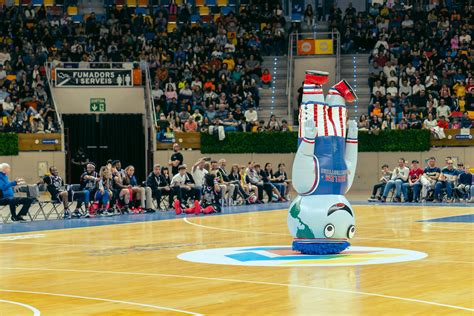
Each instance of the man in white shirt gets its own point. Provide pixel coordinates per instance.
(378, 87)
(405, 87)
(417, 87)
(198, 173)
(410, 69)
(407, 23)
(251, 117)
(443, 109)
(4, 56)
(388, 68)
(182, 186)
(399, 176)
(464, 37)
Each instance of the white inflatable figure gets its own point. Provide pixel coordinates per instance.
(320, 218)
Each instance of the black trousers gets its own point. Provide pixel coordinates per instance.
(268, 188)
(378, 186)
(183, 194)
(13, 202)
(159, 193)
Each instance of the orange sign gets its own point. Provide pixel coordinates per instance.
(306, 47)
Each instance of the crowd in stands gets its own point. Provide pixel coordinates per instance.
(195, 66)
(210, 75)
(450, 183)
(420, 67)
(204, 187)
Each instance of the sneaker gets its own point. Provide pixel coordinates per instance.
(76, 214)
(88, 215)
(21, 219)
(177, 207)
(149, 211)
(383, 199)
(372, 197)
(67, 214)
(109, 212)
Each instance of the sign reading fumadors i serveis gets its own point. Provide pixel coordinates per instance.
(97, 105)
(94, 77)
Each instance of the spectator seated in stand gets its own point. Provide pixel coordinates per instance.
(412, 63)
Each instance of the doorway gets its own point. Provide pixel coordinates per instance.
(102, 137)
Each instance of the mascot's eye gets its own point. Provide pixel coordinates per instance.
(329, 230)
(351, 231)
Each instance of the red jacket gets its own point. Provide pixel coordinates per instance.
(444, 124)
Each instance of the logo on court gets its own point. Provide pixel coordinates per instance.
(284, 256)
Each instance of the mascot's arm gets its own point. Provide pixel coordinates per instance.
(304, 165)
(351, 152)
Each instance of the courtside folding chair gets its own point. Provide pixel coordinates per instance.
(34, 193)
(4, 206)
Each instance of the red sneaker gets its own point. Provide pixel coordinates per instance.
(345, 89)
(197, 207)
(177, 207)
(316, 77)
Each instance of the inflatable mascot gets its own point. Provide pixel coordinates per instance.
(320, 218)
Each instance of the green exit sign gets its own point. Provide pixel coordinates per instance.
(97, 105)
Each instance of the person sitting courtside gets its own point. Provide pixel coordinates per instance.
(7, 196)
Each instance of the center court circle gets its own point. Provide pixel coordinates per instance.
(284, 256)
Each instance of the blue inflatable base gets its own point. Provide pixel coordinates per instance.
(320, 248)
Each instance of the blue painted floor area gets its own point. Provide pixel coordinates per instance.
(42, 225)
(468, 218)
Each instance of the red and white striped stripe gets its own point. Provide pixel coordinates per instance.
(329, 121)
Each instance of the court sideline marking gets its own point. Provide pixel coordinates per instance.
(228, 280)
(356, 238)
(101, 299)
(35, 311)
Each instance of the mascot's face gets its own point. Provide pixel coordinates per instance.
(321, 216)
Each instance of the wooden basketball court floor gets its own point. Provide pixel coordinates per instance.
(131, 268)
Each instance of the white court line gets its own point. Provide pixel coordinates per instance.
(356, 238)
(451, 228)
(413, 300)
(35, 311)
(103, 300)
(440, 230)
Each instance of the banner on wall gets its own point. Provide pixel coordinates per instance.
(93, 77)
(324, 47)
(306, 47)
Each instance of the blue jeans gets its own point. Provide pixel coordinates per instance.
(443, 185)
(103, 198)
(416, 191)
(280, 187)
(397, 183)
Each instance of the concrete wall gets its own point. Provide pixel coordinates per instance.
(368, 165)
(323, 63)
(26, 164)
(117, 100)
